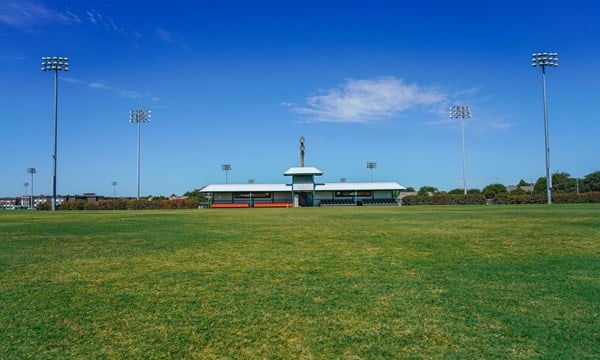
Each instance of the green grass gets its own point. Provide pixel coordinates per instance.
(360, 282)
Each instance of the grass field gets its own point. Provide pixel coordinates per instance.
(358, 282)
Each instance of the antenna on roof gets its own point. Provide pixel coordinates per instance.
(301, 151)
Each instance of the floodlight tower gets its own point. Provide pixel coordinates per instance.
(139, 116)
(461, 112)
(31, 171)
(26, 184)
(226, 168)
(543, 60)
(114, 185)
(55, 64)
(371, 166)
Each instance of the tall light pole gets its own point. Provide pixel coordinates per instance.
(461, 112)
(226, 168)
(55, 64)
(139, 116)
(114, 185)
(26, 184)
(371, 166)
(31, 171)
(543, 60)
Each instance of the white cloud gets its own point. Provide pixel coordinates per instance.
(72, 80)
(130, 94)
(103, 85)
(11, 57)
(26, 14)
(362, 101)
(96, 18)
(91, 14)
(164, 35)
(99, 84)
(170, 38)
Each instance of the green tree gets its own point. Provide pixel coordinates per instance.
(523, 183)
(562, 182)
(473, 191)
(540, 186)
(494, 189)
(428, 190)
(456, 192)
(519, 191)
(196, 194)
(591, 182)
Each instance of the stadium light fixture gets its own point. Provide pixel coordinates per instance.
(55, 64)
(31, 171)
(371, 165)
(114, 185)
(542, 60)
(139, 116)
(461, 112)
(227, 169)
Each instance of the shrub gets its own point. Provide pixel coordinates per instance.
(90, 205)
(72, 205)
(475, 199)
(43, 206)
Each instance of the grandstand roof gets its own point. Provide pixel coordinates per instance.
(309, 170)
(374, 186)
(246, 188)
(371, 186)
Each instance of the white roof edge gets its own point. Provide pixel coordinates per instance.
(307, 170)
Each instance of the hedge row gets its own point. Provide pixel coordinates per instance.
(121, 204)
(479, 199)
(445, 199)
(564, 198)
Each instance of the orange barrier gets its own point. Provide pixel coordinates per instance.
(229, 206)
(272, 205)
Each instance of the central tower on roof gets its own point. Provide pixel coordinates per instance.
(303, 184)
(301, 151)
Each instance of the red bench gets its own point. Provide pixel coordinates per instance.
(229, 205)
(272, 205)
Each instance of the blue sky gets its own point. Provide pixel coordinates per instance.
(239, 82)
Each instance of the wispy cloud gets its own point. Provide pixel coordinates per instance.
(363, 101)
(26, 14)
(99, 84)
(170, 38)
(11, 57)
(130, 94)
(96, 18)
(164, 35)
(29, 14)
(103, 85)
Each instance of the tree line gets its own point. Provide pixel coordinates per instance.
(562, 183)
